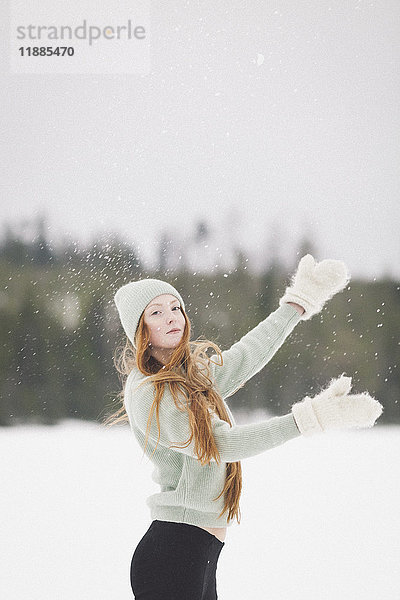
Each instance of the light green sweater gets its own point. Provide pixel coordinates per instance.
(187, 487)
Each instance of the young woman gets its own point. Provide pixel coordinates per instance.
(193, 441)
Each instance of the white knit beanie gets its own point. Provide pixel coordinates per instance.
(132, 298)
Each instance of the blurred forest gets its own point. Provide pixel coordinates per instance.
(60, 329)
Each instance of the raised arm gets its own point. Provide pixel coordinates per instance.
(311, 286)
(254, 350)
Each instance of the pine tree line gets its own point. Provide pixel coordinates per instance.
(59, 328)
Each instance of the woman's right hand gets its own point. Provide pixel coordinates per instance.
(335, 408)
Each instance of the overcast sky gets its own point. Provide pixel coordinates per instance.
(260, 117)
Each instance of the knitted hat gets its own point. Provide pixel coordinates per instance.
(132, 298)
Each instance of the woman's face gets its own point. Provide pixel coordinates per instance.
(162, 315)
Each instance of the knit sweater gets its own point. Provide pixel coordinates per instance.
(187, 488)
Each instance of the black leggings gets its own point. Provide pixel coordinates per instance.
(175, 561)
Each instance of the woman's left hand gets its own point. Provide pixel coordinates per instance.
(299, 308)
(315, 283)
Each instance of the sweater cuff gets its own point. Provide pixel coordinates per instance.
(289, 426)
(290, 312)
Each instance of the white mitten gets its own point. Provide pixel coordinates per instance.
(315, 283)
(335, 408)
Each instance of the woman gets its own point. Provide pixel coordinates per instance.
(193, 441)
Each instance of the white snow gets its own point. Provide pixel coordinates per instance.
(260, 59)
(320, 516)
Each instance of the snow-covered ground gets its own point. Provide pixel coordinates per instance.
(320, 516)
